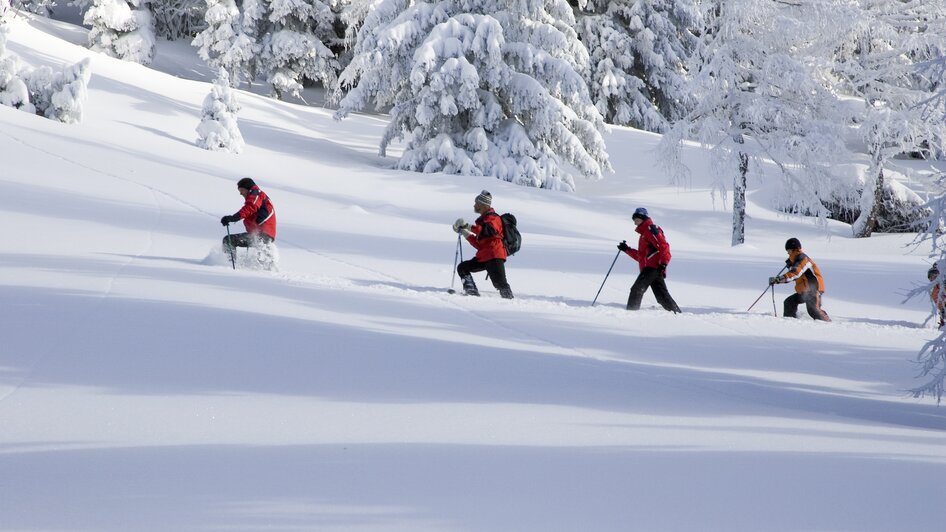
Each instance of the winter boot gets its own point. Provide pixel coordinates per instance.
(506, 293)
(469, 286)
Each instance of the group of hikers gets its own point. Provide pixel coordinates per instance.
(486, 235)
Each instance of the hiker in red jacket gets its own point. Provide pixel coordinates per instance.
(258, 215)
(653, 256)
(486, 235)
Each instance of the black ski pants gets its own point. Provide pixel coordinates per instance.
(812, 301)
(245, 240)
(651, 278)
(496, 268)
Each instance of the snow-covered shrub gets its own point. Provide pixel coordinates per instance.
(484, 87)
(122, 29)
(13, 90)
(60, 95)
(639, 50)
(218, 130)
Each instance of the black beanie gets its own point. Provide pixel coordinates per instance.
(246, 183)
(792, 243)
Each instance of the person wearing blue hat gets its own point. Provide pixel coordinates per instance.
(653, 257)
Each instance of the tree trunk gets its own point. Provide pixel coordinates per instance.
(871, 204)
(739, 201)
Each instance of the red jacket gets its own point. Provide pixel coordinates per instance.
(652, 247)
(258, 213)
(487, 237)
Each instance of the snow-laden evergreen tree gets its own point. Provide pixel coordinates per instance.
(40, 7)
(762, 98)
(294, 50)
(883, 60)
(352, 14)
(222, 44)
(486, 87)
(932, 358)
(122, 29)
(218, 129)
(13, 89)
(61, 95)
(639, 50)
(178, 19)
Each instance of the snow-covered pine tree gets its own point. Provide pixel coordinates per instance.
(882, 60)
(40, 7)
(485, 87)
(639, 51)
(178, 19)
(294, 50)
(13, 90)
(122, 29)
(762, 98)
(222, 44)
(218, 129)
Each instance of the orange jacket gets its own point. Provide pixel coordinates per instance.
(487, 237)
(938, 297)
(804, 272)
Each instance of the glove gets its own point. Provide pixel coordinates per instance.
(623, 246)
(662, 268)
(460, 223)
(465, 230)
(227, 220)
(775, 280)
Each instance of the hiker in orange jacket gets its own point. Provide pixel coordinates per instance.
(809, 285)
(938, 293)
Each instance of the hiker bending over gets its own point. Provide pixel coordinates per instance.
(259, 218)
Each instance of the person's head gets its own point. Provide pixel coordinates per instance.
(932, 273)
(640, 214)
(792, 244)
(483, 202)
(245, 185)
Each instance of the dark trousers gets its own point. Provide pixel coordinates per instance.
(651, 278)
(496, 268)
(812, 301)
(245, 240)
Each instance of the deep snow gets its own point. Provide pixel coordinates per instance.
(144, 385)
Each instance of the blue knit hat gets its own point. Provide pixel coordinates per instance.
(641, 213)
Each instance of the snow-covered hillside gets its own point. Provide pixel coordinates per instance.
(147, 386)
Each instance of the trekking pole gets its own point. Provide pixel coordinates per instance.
(608, 274)
(774, 310)
(230, 247)
(772, 286)
(453, 277)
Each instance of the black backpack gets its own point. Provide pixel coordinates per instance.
(512, 240)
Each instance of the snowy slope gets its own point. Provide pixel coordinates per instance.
(145, 385)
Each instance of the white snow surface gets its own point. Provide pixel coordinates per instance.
(147, 386)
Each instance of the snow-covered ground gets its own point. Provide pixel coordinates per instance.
(146, 386)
